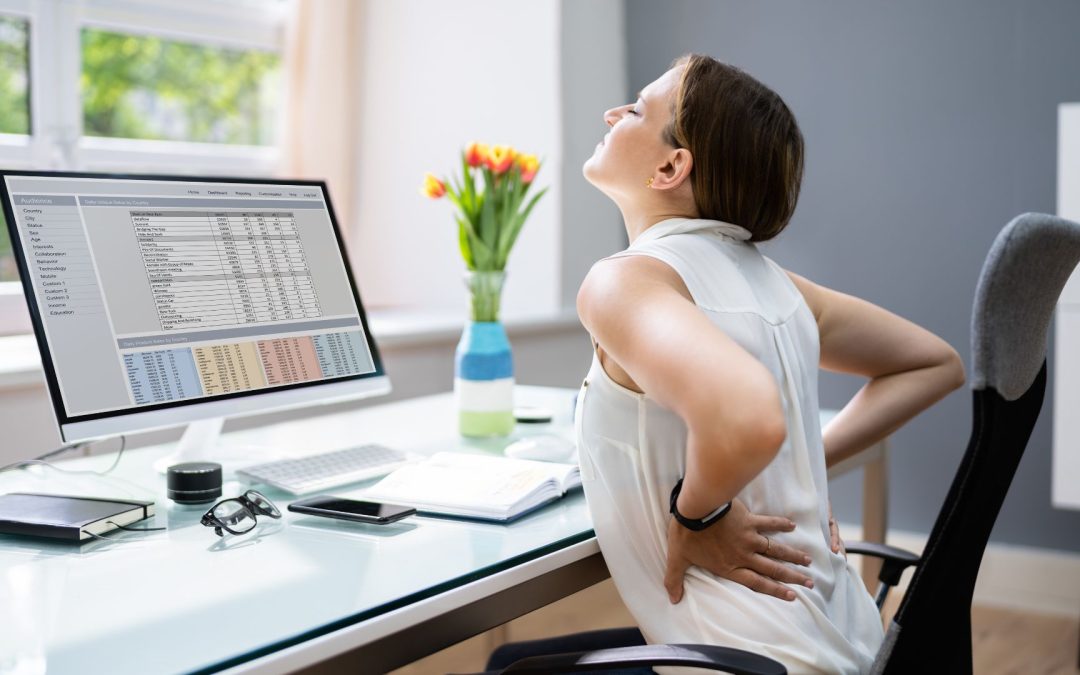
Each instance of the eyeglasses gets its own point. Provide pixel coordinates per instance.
(237, 515)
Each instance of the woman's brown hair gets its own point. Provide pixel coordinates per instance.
(746, 145)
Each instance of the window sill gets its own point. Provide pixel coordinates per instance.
(411, 328)
(20, 362)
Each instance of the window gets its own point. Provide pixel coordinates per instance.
(7, 262)
(158, 86)
(14, 75)
(14, 110)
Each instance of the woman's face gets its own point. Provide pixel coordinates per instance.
(634, 149)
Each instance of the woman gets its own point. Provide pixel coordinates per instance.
(705, 370)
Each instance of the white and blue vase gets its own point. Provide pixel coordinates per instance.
(483, 363)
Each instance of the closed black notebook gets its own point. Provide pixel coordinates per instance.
(72, 518)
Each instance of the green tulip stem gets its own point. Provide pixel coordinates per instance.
(485, 291)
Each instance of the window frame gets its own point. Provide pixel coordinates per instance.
(56, 140)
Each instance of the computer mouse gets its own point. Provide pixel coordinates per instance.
(543, 447)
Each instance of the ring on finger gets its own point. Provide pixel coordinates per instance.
(768, 544)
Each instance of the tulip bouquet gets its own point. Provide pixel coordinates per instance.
(489, 218)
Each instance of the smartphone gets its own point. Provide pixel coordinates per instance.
(351, 509)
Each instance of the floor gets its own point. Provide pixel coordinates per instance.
(1005, 642)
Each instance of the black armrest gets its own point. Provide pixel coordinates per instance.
(723, 659)
(895, 560)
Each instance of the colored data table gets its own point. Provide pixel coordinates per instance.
(161, 375)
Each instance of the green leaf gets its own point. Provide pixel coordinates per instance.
(488, 223)
(519, 221)
(510, 208)
(454, 200)
(470, 191)
(482, 254)
(468, 196)
(464, 245)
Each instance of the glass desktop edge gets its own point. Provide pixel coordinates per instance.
(399, 603)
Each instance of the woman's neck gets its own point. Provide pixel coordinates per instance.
(637, 222)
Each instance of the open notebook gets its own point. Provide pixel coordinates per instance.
(485, 487)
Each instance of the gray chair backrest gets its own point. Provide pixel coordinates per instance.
(1024, 273)
(1021, 280)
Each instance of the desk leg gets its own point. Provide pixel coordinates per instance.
(875, 511)
(497, 637)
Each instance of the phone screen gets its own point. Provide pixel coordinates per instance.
(359, 508)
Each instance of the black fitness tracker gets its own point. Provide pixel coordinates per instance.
(695, 524)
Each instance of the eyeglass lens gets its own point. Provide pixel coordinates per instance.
(262, 504)
(234, 515)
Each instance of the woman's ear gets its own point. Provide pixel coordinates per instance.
(673, 172)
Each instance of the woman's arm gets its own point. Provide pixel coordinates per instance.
(639, 311)
(909, 367)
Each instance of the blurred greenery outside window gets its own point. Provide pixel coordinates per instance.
(14, 107)
(14, 75)
(146, 87)
(8, 272)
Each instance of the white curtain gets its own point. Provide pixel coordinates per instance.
(321, 99)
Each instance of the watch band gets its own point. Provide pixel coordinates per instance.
(695, 524)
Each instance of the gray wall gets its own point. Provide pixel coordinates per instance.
(928, 126)
(592, 227)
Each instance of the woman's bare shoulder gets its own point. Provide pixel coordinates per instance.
(612, 282)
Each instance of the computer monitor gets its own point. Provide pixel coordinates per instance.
(160, 300)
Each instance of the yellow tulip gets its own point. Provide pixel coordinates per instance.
(476, 154)
(433, 187)
(529, 165)
(500, 158)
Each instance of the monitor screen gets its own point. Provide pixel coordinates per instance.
(166, 295)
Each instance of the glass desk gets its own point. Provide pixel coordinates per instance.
(293, 592)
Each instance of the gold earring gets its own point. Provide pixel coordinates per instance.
(648, 183)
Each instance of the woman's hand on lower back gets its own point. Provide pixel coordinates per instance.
(737, 548)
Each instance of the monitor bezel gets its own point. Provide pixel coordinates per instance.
(161, 415)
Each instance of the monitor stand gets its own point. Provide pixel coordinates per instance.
(200, 443)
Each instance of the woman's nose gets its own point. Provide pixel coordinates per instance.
(612, 116)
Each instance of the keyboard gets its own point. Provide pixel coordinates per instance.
(327, 469)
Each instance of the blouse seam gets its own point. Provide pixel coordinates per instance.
(780, 322)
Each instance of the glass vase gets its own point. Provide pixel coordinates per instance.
(483, 363)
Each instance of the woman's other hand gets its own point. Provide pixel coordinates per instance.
(908, 367)
(835, 542)
(738, 548)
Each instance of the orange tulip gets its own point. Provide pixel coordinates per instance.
(500, 158)
(433, 187)
(476, 154)
(529, 165)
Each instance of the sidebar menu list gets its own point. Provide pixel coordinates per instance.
(59, 257)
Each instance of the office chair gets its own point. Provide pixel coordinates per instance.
(1024, 273)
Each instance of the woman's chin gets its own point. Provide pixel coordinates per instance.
(587, 168)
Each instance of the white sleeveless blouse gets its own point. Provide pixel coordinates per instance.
(632, 451)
